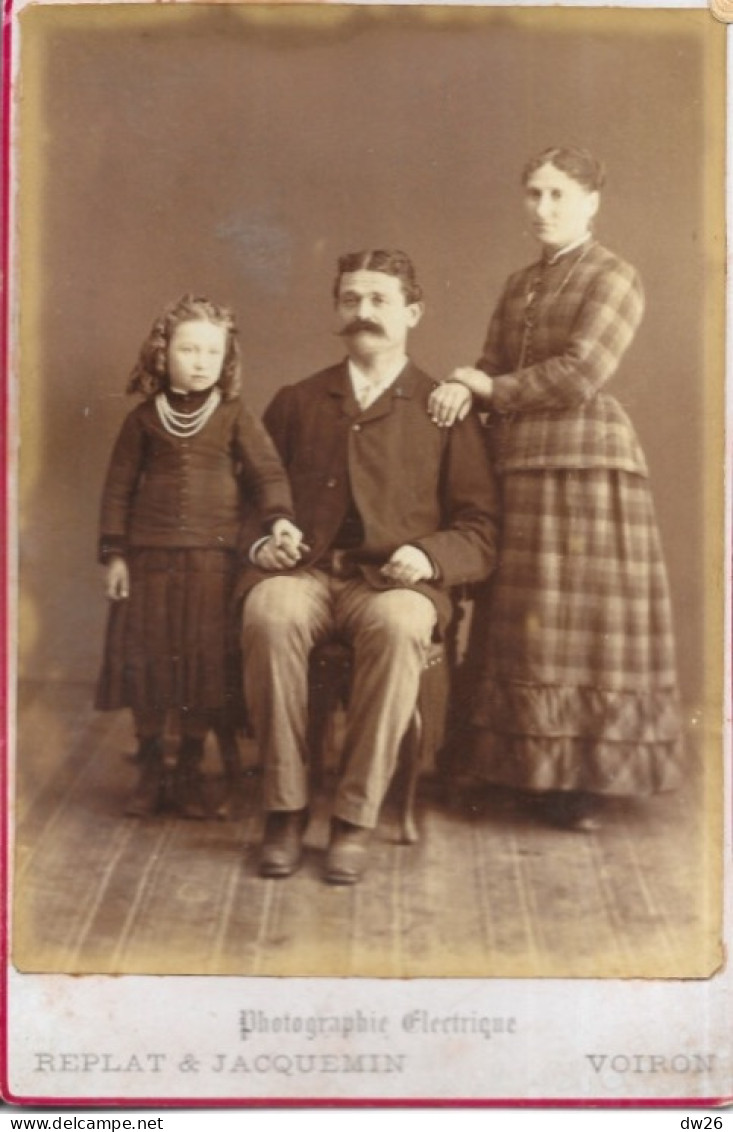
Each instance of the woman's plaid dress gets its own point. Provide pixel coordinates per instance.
(572, 640)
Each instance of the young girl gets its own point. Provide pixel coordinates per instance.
(190, 463)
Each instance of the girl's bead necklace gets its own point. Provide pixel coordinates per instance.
(185, 425)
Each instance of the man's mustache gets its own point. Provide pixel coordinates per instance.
(359, 324)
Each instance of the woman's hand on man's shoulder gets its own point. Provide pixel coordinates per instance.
(449, 402)
(453, 398)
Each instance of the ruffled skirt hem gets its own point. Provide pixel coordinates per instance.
(562, 738)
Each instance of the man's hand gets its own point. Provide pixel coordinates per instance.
(283, 549)
(117, 581)
(408, 565)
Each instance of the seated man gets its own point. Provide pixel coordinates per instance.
(395, 511)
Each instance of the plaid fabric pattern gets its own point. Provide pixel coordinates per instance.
(577, 687)
(557, 336)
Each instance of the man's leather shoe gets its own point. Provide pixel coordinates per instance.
(347, 852)
(282, 846)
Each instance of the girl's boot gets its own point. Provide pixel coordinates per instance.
(188, 783)
(230, 803)
(147, 798)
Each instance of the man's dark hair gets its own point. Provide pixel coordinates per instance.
(395, 263)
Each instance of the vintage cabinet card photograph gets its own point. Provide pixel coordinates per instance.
(367, 571)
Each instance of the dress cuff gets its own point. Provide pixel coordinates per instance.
(254, 549)
(111, 546)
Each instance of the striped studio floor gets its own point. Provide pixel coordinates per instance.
(486, 892)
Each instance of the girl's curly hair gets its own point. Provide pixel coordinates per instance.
(150, 374)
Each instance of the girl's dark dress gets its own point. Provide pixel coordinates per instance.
(572, 641)
(174, 508)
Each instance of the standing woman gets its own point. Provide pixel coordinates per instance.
(572, 647)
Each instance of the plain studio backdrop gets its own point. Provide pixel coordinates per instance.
(236, 151)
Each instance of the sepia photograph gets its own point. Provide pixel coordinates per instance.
(366, 400)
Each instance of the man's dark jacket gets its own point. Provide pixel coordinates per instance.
(411, 481)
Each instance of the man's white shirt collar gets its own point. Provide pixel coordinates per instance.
(366, 391)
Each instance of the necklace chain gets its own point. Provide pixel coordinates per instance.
(186, 424)
(536, 289)
(537, 283)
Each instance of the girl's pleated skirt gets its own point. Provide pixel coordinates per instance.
(174, 642)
